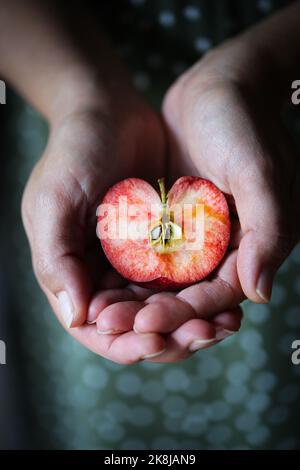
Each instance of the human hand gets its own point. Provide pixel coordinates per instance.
(221, 129)
(87, 152)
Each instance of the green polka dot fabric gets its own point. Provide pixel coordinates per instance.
(240, 394)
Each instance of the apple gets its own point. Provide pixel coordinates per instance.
(164, 241)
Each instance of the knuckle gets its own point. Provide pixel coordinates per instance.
(44, 269)
(49, 199)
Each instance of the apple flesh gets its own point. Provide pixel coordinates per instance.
(182, 235)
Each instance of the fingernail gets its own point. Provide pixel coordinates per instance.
(222, 333)
(264, 285)
(149, 356)
(66, 308)
(201, 344)
(109, 332)
(91, 322)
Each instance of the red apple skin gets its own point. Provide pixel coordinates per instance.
(139, 262)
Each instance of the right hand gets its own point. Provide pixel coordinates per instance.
(87, 152)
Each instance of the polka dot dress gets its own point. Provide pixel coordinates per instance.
(241, 394)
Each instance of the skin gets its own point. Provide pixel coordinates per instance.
(219, 121)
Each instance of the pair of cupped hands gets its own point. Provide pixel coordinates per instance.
(217, 123)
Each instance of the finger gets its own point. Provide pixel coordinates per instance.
(164, 313)
(103, 299)
(57, 243)
(262, 192)
(220, 293)
(197, 334)
(228, 321)
(118, 317)
(130, 347)
(127, 348)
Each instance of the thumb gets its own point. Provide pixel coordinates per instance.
(268, 233)
(57, 244)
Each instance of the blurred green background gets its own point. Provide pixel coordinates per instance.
(241, 394)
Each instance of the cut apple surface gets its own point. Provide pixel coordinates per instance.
(164, 241)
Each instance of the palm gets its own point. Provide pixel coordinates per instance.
(96, 154)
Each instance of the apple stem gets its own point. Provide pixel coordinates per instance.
(162, 188)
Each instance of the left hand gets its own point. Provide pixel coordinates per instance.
(221, 128)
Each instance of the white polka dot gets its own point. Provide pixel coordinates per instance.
(295, 256)
(103, 415)
(128, 383)
(174, 406)
(210, 367)
(278, 294)
(163, 442)
(289, 443)
(250, 339)
(278, 415)
(265, 381)
(141, 81)
(292, 317)
(137, 2)
(200, 409)
(285, 343)
(194, 425)
(238, 372)
(297, 285)
(258, 436)
(173, 424)
(141, 415)
(246, 421)
(176, 379)
(235, 393)
(78, 397)
(119, 410)
(264, 5)
(202, 44)
(218, 434)
(256, 359)
(111, 432)
(218, 410)
(95, 377)
(133, 443)
(197, 386)
(153, 391)
(106, 425)
(258, 314)
(192, 13)
(167, 19)
(190, 444)
(289, 393)
(258, 402)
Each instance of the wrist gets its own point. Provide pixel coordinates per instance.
(81, 90)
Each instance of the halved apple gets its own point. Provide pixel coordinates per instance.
(165, 241)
